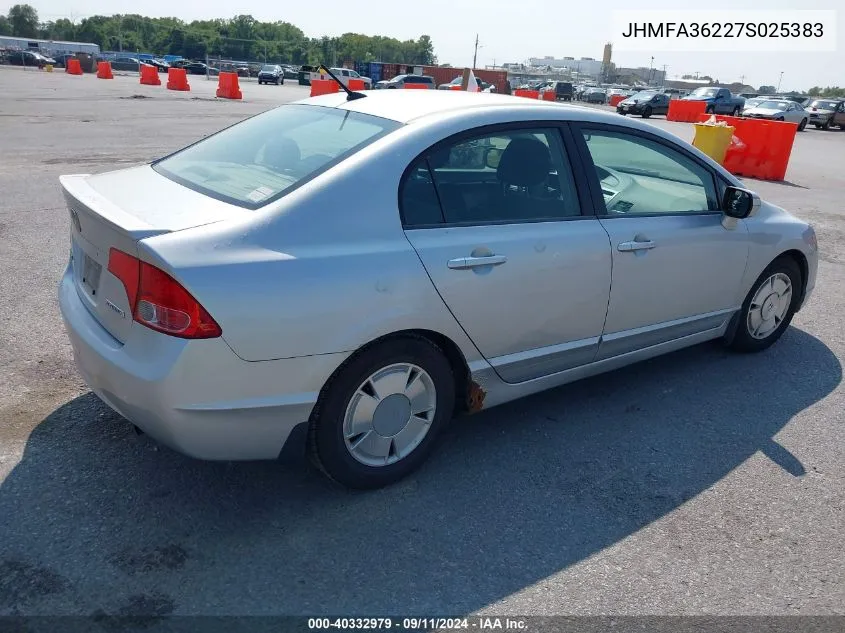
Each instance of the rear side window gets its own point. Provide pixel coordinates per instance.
(259, 160)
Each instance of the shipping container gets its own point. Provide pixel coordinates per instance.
(445, 74)
(375, 72)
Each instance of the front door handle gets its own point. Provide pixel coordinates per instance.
(627, 247)
(463, 263)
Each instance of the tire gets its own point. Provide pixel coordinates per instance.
(802, 125)
(816, 125)
(646, 112)
(709, 110)
(826, 125)
(744, 339)
(735, 111)
(341, 456)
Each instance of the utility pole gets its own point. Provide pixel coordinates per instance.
(779, 80)
(475, 54)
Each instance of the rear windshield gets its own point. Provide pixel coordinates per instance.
(824, 105)
(259, 160)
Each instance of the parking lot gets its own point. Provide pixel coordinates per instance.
(703, 482)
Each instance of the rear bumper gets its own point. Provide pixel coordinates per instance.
(197, 397)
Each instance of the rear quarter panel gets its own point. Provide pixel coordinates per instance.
(326, 269)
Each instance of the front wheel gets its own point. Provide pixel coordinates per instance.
(802, 125)
(709, 110)
(646, 112)
(735, 111)
(769, 307)
(378, 417)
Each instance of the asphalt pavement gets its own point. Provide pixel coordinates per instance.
(702, 482)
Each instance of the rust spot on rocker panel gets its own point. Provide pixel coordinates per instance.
(475, 397)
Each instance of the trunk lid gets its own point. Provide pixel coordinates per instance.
(117, 210)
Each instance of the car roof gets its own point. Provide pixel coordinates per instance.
(405, 106)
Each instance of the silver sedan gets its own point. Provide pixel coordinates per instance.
(242, 294)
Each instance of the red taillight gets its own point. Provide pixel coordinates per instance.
(160, 302)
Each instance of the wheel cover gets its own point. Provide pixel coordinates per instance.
(389, 414)
(769, 306)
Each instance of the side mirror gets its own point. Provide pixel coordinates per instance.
(492, 157)
(740, 203)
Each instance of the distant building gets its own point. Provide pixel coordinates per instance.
(648, 75)
(50, 47)
(583, 66)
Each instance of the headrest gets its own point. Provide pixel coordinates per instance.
(524, 163)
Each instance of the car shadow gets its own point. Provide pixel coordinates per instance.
(98, 521)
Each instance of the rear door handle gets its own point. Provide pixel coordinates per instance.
(462, 263)
(627, 247)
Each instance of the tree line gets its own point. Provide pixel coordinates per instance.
(241, 38)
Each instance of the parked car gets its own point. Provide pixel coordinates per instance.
(345, 74)
(483, 86)
(159, 65)
(401, 80)
(271, 74)
(645, 103)
(194, 67)
(126, 64)
(291, 72)
(28, 58)
(562, 89)
(227, 310)
(823, 112)
(594, 95)
(779, 110)
(717, 100)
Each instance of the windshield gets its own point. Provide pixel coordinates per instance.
(824, 105)
(268, 68)
(259, 160)
(705, 92)
(644, 94)
(773, 105)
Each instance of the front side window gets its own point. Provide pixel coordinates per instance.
(506, 177)
(642, 176)
(257, 161)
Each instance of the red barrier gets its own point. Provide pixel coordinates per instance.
(73, 67)
(323, 87)
(529, 94)
(759, 148)
(416, 87)
(549, 95)
(149, 75)
(104, 70)
(685, 111)
(228, 87)
(177, 79)
(357, 84)
(615, 99)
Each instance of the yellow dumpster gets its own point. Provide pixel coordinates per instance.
(713, 140)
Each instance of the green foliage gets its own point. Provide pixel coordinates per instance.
(5, 26)
(23, 19)
(833, 92)
(241, 37)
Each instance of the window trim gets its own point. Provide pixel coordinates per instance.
(567, 144)
(586, 158)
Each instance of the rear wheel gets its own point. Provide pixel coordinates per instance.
(735, 111)
(826, 125)
(769, 307)
(377, 419)
(802, 125)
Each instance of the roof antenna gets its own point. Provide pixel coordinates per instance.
(350, 95)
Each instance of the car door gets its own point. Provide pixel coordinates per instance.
(676, 268)
(839, 116)
(497, 221)
(663, 104)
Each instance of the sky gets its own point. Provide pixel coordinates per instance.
(508, 31)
